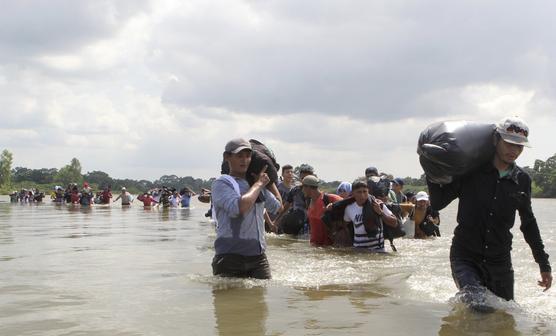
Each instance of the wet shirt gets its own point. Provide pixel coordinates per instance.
(486, 213)
(319, 235)
(147, 200)
(283, 190)
(185, 200)
(237, 234)
(126, 198)
(297, 199)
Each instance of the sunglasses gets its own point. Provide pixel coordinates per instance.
(517, 129)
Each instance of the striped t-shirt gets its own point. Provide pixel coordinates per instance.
(354, 213)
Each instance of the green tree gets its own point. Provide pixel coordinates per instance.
(99, 178)
(544, 176)
(6, 160)
(70, 173)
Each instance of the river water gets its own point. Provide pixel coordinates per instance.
(130, 271)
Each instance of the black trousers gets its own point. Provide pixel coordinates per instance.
(471, 272)
(238, 266)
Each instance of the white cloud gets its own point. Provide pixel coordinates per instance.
(141, 89)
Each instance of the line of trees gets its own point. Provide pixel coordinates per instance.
(47, 178)
(543, 174)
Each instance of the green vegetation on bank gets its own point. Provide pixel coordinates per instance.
(543, 175)
(45, 179)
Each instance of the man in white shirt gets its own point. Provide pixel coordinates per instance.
(368, 215)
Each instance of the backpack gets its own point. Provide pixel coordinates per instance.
(340, 233)
(261, 155)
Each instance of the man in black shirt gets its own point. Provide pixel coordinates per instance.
(488, 200)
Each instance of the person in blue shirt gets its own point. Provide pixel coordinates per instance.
(238, 209)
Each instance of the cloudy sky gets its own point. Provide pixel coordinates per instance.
(140, 88)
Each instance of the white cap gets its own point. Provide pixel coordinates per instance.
(422, 196)
(514, 130)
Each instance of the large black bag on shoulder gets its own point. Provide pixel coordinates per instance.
(454, 148)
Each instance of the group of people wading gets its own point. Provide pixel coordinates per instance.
(85, 196)
(366, 212)
(362, 215)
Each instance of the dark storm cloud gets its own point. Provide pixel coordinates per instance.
(34, 28)
(367, 60)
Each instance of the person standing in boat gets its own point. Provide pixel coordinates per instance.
(488, 200)
(239, 212)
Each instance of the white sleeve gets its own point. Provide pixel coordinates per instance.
(347, 218)
(387, 211)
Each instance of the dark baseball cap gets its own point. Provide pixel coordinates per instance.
(371, 171)
(235, 146)
(398, 181)
(306, 168)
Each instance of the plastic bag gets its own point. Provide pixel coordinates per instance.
(260, 156)
(454, 148)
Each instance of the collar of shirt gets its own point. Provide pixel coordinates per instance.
(513, 174)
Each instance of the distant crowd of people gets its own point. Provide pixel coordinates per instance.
(85, 196)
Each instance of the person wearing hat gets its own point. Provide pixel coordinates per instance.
(370, 172)
(125, 196)
(318, 202)
(488, 200)
(425, 217)
(240, 234)
(293, 216)
(344, 190)
(397, 194)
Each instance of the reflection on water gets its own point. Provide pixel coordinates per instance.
(240, 311)
(463, 321)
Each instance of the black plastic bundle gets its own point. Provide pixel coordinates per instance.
(260, 156)
(454, 148)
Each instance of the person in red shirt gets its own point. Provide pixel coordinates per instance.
(75, 196)
(147, 199)
(310, 186)
(106, 196)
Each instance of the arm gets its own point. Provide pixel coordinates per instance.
(442, 195)
(269, 222)
(248, 199)
(274, 190)
(533, 238)
(382, 210)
